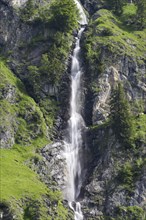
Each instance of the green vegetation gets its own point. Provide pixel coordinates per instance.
(64, 15)
(116, 5)
(29, 123)
(35, 12)
(129, 14)
(121, 117)
(133, 13)
(130, 213)
(140, 127)
(141, 14)
(22, 191)
(130, 130)
(28, 11)
(110, 34)
(131, 171)
(56, 21)
(19, 113)
(59, 15)
(129, 174)
(60, 19)
(49, 109)
(52, 65)
(17, 180)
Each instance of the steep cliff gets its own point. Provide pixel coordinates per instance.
(113, 53)
(36, 41)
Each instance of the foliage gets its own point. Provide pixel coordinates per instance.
(140, 127)
(60, 15)
(20, 114)
(141, 13)
(129, 174)
(28, 11)
(52, 66)
(60, 19)
(129, 14)
(111, 35)
(49, 109)
(64, 15)
(121, 117)
(21, 190)
(130, 213)
(116, 5)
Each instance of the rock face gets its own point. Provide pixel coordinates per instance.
(7, 133)
(108, 190)
(94, 5)
(16, 36)
(18, 2)
(104, 190)
(126, 71)
(52, 168)
(24, 40)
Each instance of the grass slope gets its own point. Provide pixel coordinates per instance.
(21, 191)
(110, 32)
(20, 115)
(17, 180)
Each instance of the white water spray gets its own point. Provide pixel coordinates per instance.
(76, 123)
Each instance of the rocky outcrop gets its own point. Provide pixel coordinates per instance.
(24, 41)
(7, 133)
(105, 189)
(108, 66)
(124, 70)
(93, 6)
(51, 168)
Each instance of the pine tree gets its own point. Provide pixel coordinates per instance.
(141, 13)
(116, 5)
(121, 116)
(28, 11)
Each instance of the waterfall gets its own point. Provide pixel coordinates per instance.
(73, 148)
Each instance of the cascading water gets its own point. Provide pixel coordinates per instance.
(76, 124)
